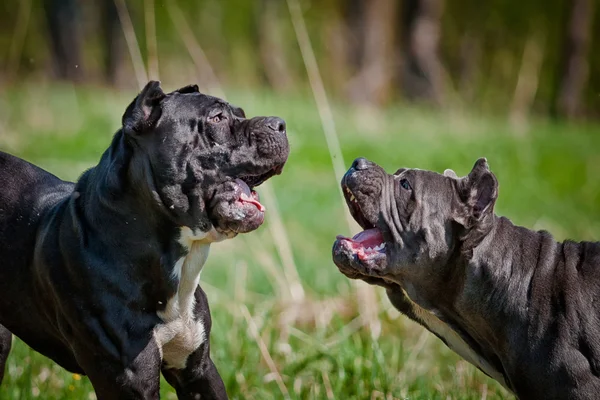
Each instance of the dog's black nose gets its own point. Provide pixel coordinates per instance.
(360, 163)
(276, 124)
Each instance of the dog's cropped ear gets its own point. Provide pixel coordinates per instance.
(238, 111)
(189, 89)
(478, 192)
(145, 110)
(451, 174)
(482, 187)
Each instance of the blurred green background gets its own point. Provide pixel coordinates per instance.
(431, 84)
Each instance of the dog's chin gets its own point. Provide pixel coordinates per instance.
(233, 218)
(236, 208)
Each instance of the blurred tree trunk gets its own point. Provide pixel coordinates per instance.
(575, 64)
(271, 47)
(422, 71)
(470, 56)
(354, 11)
(63, 18)
(114, 42)
(337, 35)
(370, 26)
(373, 81)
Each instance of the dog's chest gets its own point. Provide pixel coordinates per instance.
(183, 332)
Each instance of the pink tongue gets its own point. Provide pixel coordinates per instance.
(369, 237)
(245, 199)
(247, 196)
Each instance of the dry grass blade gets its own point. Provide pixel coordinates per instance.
(207, 74)
(282, 243)
(527, 84)
(414, 353)
(241, 277)
(484, 390)
(348, 330)
(366, 294)
(264, 351)
(132, 43)
(269, 264)
(327, 384)
(318, 89)
(309, 340)
(151, 45)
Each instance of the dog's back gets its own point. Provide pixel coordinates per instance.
(26, 192)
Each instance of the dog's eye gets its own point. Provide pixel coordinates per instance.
(216, 118)
(404, 183)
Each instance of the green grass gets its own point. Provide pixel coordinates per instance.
(319, 345)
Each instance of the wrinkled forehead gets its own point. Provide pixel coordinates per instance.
(199, 104)
(427, 183)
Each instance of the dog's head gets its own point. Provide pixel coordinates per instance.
(199, 158)
(413, 220)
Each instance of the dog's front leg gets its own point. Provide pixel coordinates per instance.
(5, 343)
(199, 380)
(128, 377)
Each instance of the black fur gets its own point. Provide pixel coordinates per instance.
(523, 304)
(86, 266)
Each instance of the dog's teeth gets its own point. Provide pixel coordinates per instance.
(352, 198)
(369, 249)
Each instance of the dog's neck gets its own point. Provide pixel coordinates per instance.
(149, 244)
(106, 193)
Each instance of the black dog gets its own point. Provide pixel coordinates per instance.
(102, 275)
(515, 303)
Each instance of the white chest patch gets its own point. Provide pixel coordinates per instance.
(181, 334)
(454, 341)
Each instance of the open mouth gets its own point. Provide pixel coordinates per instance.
(255, 180)
(368, 245)
(235, 205)
(247, 183)
(248, 196)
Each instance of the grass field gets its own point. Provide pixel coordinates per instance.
(286, 323)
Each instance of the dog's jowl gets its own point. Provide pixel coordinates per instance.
(514, 302)
(102, 275)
